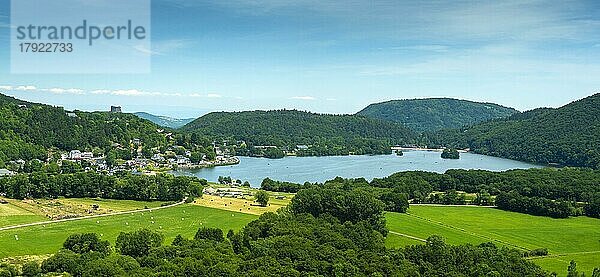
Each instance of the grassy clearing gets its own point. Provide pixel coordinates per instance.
(243, 205)
(585, 262)
(474, 225)
(11, 214)
(28, 211)
(184, 220)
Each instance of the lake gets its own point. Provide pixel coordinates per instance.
(320, 169)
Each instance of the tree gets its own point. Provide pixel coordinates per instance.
(196, 157)
(450, 154)
(214, 234)
(483, 198)
(70, 167)
(274, 153)
(572, 269)
(63, 261)
(31, 269)
(138, 243)
(395, 201)
(262, 197)
(84, 243)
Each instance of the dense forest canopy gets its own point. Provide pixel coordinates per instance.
(126, 186)
(435, 114)
(338, 134)
(28, 129)
(569, 135)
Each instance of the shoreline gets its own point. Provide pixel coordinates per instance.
(427, 149)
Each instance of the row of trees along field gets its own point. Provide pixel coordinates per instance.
(393, 200)
(325, 232)
(549, 192)
(163, 187)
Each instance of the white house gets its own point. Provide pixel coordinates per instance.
(75, 155)
(6, 173)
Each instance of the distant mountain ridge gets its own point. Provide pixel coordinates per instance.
(569, 135)
(433, 114)
(164, 121)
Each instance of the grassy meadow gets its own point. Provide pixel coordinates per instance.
(183, 219)
(576, 238)
(564, 238)
(242, 205)
(28, 211)
(14, 215)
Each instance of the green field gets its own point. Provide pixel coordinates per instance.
(21, 212)
(14, 215)
(184, 220)
(459, 225)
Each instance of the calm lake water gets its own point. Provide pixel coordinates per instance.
(320, 169)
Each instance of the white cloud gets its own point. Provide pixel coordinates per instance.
(26, 88)
(129, 92)
(303, 98)
(63, 91)
(331, 99)
(145, 50)
(116, 92)
(100, 91)
(163, 47)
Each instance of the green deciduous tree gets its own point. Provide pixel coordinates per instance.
(138, 243)
(205, 233)
(262, 197)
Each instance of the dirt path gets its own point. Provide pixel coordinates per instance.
(407, 236)
(88, 217)
(441, 205)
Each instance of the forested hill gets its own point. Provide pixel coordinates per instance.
(291, 127)
(28, 129)
(436, 113)
(165, 121)
(569, 135)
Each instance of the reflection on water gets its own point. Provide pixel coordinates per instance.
(320, 169)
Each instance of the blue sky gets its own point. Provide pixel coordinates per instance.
(339, 56)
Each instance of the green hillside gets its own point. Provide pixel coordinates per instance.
(569, 135)
(28, 129)
(288, 128)
(436, 113)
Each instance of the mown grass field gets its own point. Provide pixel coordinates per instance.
(14, 215)
(28, 211)
(183, 219)
(243, 205)
(460, 225)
